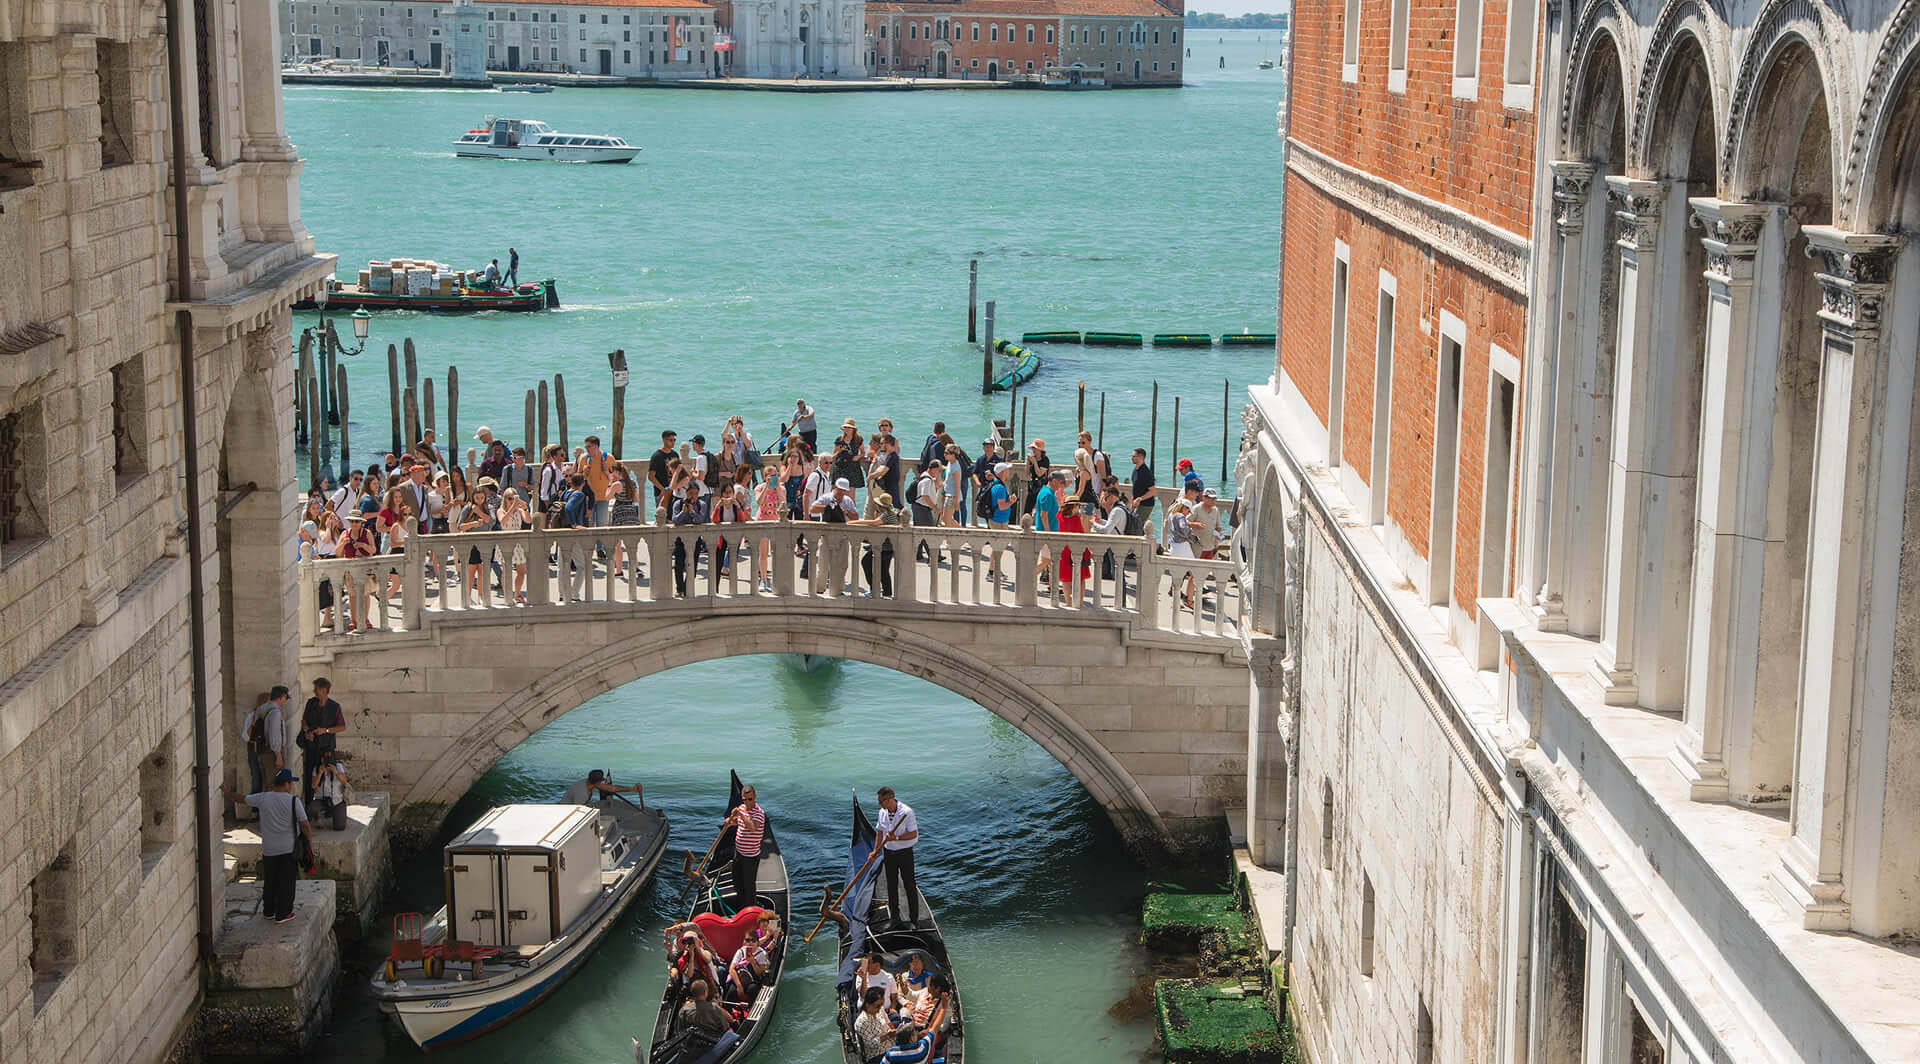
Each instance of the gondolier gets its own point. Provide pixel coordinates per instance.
(899, 830)
(749, 823)
(596, 785)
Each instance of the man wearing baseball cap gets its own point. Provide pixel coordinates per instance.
(281, 813)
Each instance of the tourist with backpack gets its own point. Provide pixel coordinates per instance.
(1142, 500)
(263, 729)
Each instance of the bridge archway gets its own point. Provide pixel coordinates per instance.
(999, 688)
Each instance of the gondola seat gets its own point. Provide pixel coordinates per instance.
(726, 933)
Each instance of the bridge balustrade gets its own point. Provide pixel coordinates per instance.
(687, 569)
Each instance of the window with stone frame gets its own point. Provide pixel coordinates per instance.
(129, 380)
(156, 805)
(17, 163)
(55, 948)
(206, 48)
(23, 458)
(113, 63)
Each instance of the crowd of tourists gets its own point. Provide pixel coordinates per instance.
(850, 478)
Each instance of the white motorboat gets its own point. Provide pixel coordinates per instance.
(524, 138)
(531, 891)
(525, 86)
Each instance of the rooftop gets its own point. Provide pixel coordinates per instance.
(1026, 8)
(684, 4)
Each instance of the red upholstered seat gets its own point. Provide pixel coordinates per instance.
(726, 934)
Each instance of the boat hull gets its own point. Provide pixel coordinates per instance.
(556, 153)
(435, 1016)
(352, 297)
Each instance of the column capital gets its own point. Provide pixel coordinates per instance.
(1853, 276)
(1638, 203)
(1571, 182)
(1732, 235)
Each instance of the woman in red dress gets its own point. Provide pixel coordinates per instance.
(1070, 522)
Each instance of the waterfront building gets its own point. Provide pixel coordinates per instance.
(793, 38)
(100, 834)
(1135, 42)
(1582, 495)
(616, 38)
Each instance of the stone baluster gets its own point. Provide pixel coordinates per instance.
(786, 534)
(1723, 708)
(539, 542)
(1026, 563)
(413, 575)
(1633, 434)
(1147, 595)
(1851, 526)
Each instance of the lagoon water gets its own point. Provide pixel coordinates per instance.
(769, 246)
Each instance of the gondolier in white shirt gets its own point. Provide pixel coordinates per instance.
(899, 830)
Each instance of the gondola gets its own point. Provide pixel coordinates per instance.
(674, 1043)
(866, 922)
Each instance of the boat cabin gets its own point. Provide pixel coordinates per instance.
(522, 874)
(1077, 76)
(522, 132)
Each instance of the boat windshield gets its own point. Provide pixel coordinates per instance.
(536, 127)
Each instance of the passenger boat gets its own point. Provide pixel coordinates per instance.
(1077, 76)
(529, 296)
(866, 923)
(1266, 64)
(524, 138)
(524, 86)
(675, 1043)
(531, 891)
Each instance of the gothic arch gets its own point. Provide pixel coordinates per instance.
(1681, 22)
(1600, 24)
(1782, 25)
(1882, 97)
(605, 667)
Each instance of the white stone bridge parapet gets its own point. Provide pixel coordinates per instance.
(1143, 699)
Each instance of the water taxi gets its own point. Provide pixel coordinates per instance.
(524, 138)
(525, 86)
(531, 891)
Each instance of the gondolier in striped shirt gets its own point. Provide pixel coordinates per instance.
(749, 823)
(899, 830)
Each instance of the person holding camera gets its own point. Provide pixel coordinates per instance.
(329, 786)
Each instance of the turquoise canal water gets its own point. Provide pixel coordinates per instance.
(769, 246)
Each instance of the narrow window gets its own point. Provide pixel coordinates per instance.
(1049, 34)
(1446, 461)
(1378, 472)
(1466, 46)
(1366, 925)
(1029, 33)
(1518, 91)
(156, 805)
(1337, 364)
(993, 33)
(1423, 1034)
(976, 31)
(55, 917)
(1496, 488)
(1397, 47)
(913, 31)
(129, 380)
(1644, 1044)
(209, 33)
(23, 455)
(1350, 44)
(116, 104)
(1326, 824)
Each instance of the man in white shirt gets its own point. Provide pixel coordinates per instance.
(345, 500)
(899, 830)
(702, 461)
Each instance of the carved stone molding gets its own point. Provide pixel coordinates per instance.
(1731, 235)
(1899, 42)
(1501, 256)
(1853, 276)
(1779, 23)
(1595, 17)
(1572, 182)
(1678, 19)
(1637, 204)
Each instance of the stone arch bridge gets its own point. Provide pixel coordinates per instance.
(1142, 698)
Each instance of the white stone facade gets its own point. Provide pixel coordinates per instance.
(97, 836)
(549, 36)
(784, 38)
(1676, 816)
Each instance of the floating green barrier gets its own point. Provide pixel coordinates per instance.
(1111, 339)
(1182, 340)
(1247, 339)
(1050, 338)
(1021, 373)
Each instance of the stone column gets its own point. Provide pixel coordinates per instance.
(1562, 413)
(1838, 631)
(1268, 772)
(1723, 713)
(1633, 433)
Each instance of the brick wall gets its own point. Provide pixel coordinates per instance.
(1427, 284)
(1474, 154)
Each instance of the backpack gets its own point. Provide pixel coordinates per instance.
(847, 467)
(711, 476)
(257, 735)
(1136, 524)
(983, 504)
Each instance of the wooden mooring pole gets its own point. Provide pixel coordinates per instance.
(453, 405)
(541, 391)
(617, 361)
(1100, 438)
(1080, 415)
(340, 400)
(1176, 428)
(410, 401)
(1226, 405)
(1153, 430)
(393, 395)
(528, 435)
(426, 400)
(986, 355)
(560, 410)
(302, 413)
(1023, 417)
(320, 446)
(973, 298)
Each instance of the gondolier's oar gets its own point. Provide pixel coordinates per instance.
(692, 869)
(835, 904)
